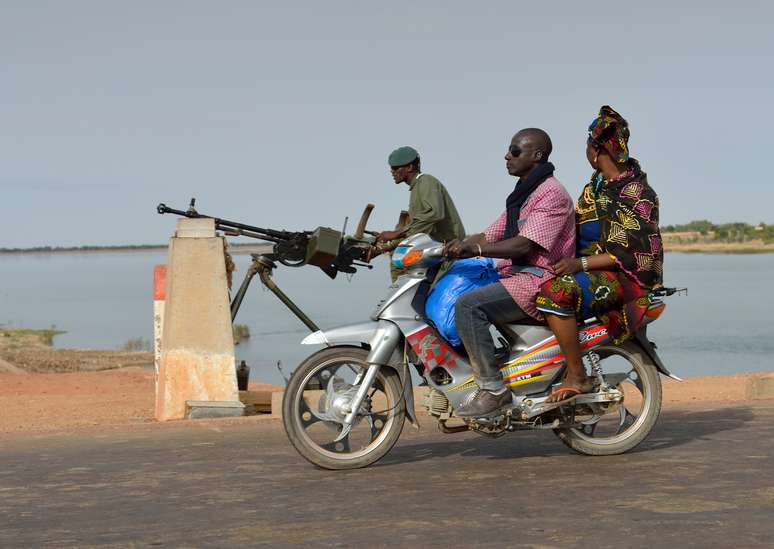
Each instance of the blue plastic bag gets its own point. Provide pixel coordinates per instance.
(465, 275)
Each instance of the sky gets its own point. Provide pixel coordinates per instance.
(282, 114)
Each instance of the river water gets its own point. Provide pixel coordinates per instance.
(103, 300)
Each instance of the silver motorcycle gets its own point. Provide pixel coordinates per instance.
(344, 406)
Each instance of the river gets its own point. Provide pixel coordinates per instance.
(102, 300)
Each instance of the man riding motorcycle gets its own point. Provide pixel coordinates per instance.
(536, 230)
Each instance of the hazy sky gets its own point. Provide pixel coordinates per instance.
(282, 114)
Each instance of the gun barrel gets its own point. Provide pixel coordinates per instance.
(224, 224)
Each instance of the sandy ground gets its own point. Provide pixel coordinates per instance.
(36, 403)
(31, 351)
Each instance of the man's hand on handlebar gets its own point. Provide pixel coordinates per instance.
(374, 251)
(386, 236)
(458, 249)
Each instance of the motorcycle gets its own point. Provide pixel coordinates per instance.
(345, 406)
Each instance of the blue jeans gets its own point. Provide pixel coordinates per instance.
(474, 313)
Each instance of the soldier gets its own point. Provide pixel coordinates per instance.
(431, 209)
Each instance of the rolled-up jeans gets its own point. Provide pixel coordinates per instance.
(474, 313)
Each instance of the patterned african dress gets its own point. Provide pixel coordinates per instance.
(618, 217)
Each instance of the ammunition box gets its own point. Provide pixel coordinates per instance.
(323, 247)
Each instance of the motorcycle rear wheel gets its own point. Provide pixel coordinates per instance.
(305, 403)
(635, 416)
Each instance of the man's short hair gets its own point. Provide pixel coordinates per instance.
(540, 139)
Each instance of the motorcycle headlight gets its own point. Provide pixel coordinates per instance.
(412, 257)
(406, 256)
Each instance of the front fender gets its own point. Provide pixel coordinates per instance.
(350, 334)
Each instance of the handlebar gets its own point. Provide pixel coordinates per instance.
(663, 291)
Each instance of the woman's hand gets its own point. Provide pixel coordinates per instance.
(567, 265)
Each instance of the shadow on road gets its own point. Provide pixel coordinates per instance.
(678, 427)
(674, 428)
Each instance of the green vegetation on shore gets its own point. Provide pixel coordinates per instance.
(703, 230)
(241, 333)
(20, 336)
(136, 344)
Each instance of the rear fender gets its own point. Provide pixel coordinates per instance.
(649, 348)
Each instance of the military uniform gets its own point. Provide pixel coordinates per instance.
(431, 211)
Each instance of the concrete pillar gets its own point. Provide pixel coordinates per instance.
(197, 363)
(760, 386)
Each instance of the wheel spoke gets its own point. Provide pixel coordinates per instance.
(309, 417)
(377, 422)
(340, 447)
(634, 378)
(626, 419)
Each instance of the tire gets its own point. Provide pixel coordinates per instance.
(387, 380)
(585, 443)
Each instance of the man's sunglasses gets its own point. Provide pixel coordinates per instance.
(514, 151)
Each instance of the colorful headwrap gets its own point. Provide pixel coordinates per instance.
(610, 131)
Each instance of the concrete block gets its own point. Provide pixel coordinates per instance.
(195, 228)
(204, 409)
(256, 402)
(276, 403)
(760, 387)
(197, 344)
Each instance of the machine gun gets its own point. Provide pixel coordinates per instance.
(323, 247)
(330, 250)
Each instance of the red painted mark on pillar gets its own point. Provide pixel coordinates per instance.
(159, 283)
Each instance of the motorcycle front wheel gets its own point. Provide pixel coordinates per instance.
(316, 400)
(617, 428)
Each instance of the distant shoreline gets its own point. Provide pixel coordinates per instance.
(743, 248)
(235, 249)
(740, 248)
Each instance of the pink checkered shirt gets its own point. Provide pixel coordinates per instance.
(547, 218)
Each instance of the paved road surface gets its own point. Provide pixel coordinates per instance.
(704, 478)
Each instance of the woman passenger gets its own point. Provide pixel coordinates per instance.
(619, 251)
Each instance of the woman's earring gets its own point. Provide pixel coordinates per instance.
(596, 156)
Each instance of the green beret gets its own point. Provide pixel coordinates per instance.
(402, 156)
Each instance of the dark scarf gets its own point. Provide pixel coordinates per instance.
(524, 189)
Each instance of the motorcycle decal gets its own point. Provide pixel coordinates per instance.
(592, 336)
(548, 364)
(469, 383)
(529, 378)
(528, 367)
(431, 349)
